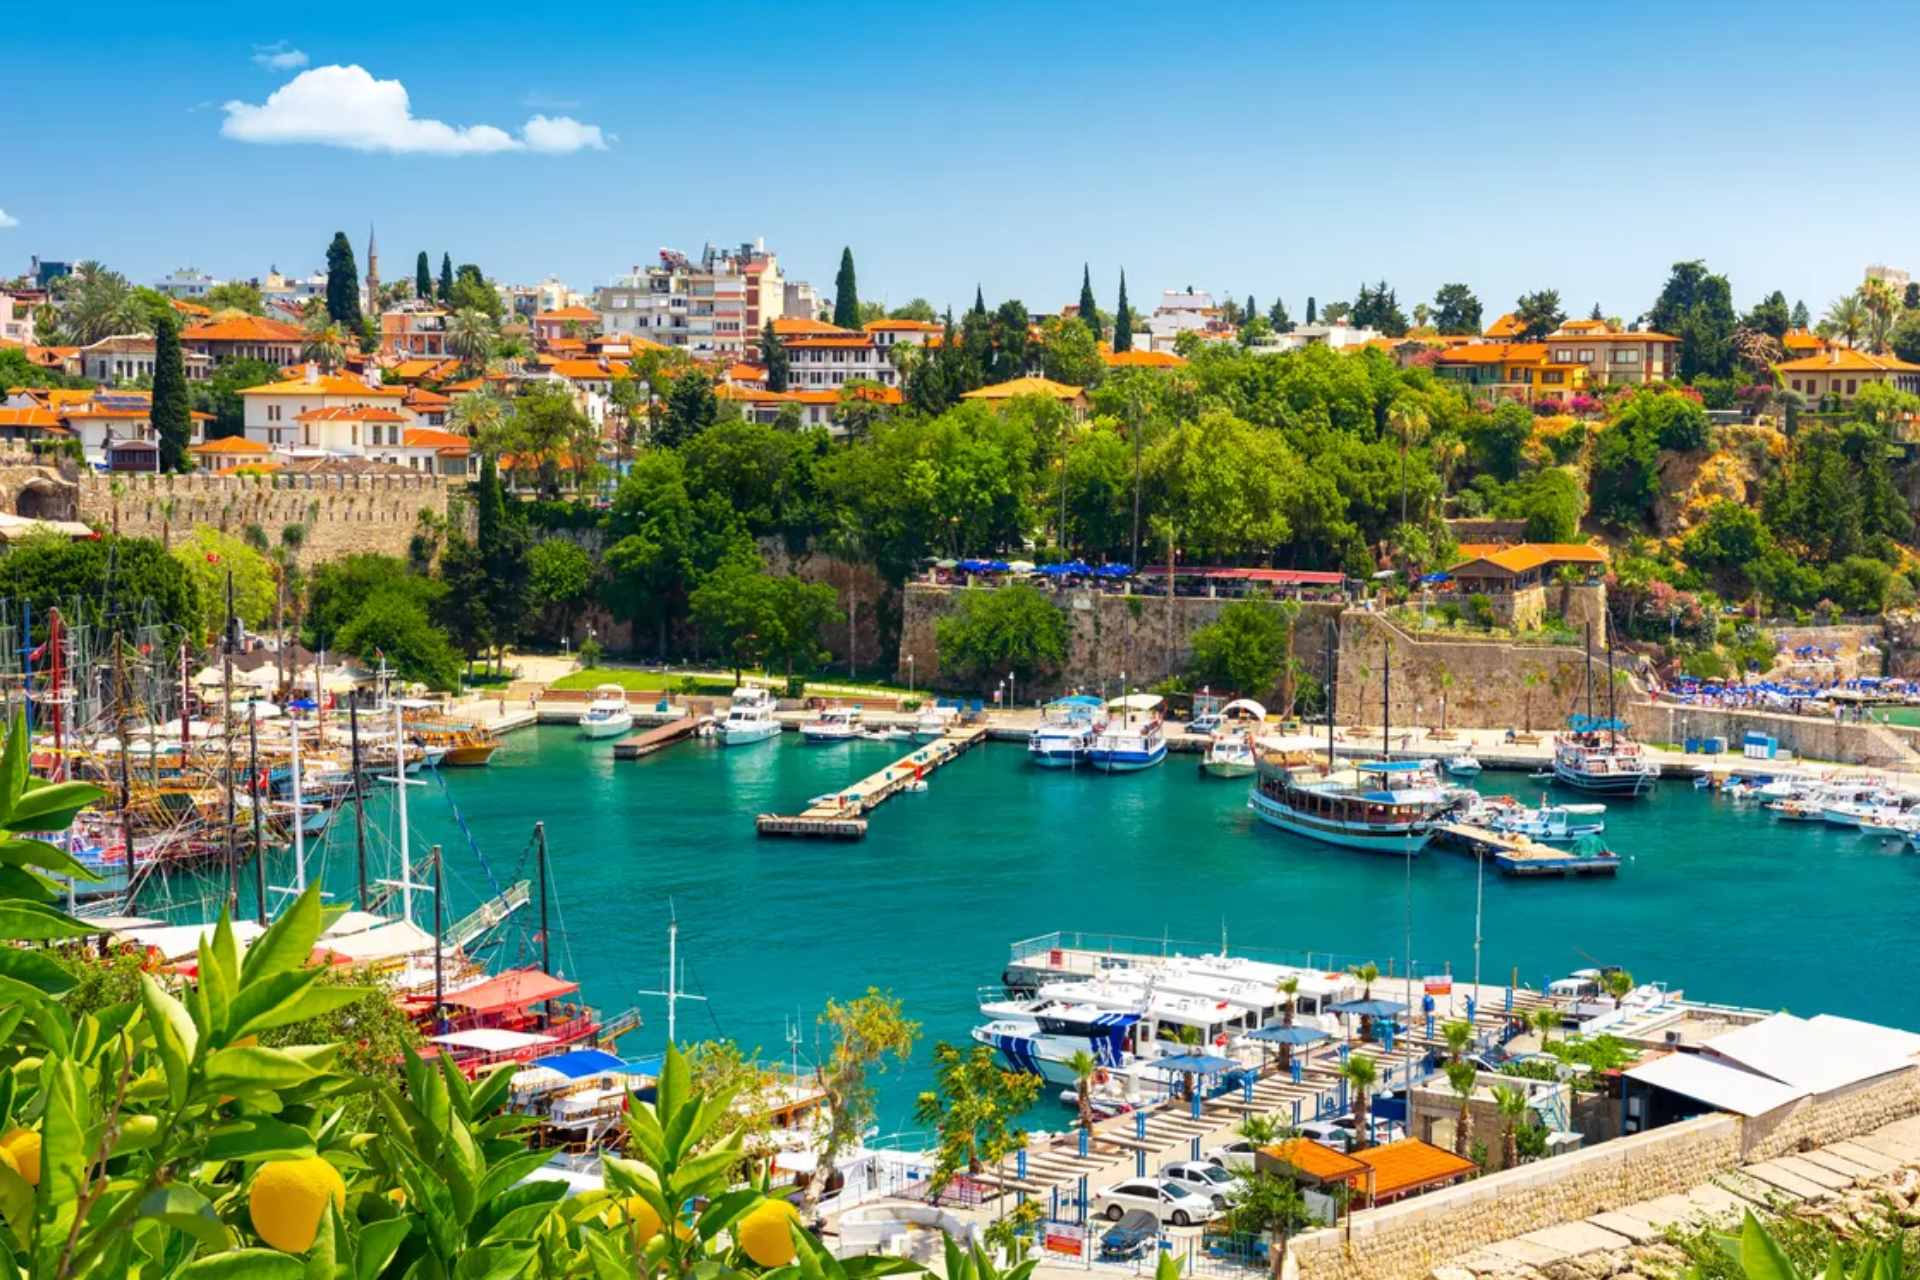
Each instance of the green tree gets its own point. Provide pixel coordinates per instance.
(1277, 318)
(470, 340)
(1729, 542)
(733, 607)
(1360, 1074)
(108, 583)
(102, 305)
(392, 625)
(463, 606)
(1123, 320)
(1069, 353)
(989, 633)
(172, 405)
(445, 289)
(423, 277)
(1265, 1204)
(559, 577)
(1012, 341)
(208, 557)
(472, 292)
(343, 285)
(800, 611)
(1245, 648)
(235, 295)
(1511, 1104)
(1089, 313)
(1696, 307)
(971, 1110)
(863, 1033)
(323, 341)
(1456, 311)
(1539, 314)
(846, 293)
(773, 355)
(1311, 310)
(1549, 501)
(692, 407)
(1463, 1078)
(219, 395)
(1769, 316)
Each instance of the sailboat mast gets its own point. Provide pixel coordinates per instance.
(226, 710)
(546, 944)
(1386, 705)
(126, 779)
(299, 816)
(1329, 692)
(186, 737)
(259, 801)
(359, 796)
(400, 788)
(1589, 672)
(439, 946)
(1610, 720)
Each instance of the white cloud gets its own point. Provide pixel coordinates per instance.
(278, 56)
(8, 220)
(346, 107)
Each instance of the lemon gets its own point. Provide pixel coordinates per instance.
(6, 1158)
(763, 1232)
(137, 1133)
(288, 1197)
(636, 1210)
(23, 1146)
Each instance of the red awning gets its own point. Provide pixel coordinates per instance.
(511, 991)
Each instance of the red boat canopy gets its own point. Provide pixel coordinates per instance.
(512, 991)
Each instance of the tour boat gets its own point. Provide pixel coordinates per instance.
(1463, 765)
(608, 715)
(1380, 806)
(1135, 741)
(833, 724)
(749, 718)
(1230, 747)
(1041, 1037)
(1596, 754)
(934, 722)
(456, 745)
(1066, 729)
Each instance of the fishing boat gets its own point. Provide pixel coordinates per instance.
(1462, 766)
(1596, 754)
(460, 746)
(1547, 822)
(608, 715)
(935, 719)
(1066, 729)
(749, 718)
(1230, 747)
(833, 724)
(1136, 740)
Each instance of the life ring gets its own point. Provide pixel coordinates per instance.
(1220, 1041)
(1100, 1076)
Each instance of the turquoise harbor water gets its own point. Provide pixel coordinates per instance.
(1728, 904)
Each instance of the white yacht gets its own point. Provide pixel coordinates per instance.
(1041, 1036)
(749, 718)
(1134, 741)
(1230, 747)
(1597, 756)
(1066, 729)
(1380, 806)
(1463, 765)
(833, 724)
(935, 719)
(1550, 823)
(608, 715)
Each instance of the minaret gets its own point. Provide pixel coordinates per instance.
(373, 270)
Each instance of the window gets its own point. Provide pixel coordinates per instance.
(1626, 355)
(1850, 386)
(356, 434)
(1586, 357)
(1553, 377)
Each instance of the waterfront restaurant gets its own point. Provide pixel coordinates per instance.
(1378, 1175)
(1493, 570)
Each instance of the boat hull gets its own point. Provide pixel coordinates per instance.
(469, 757)
(743, 735)
(1056, 757)
(612, 728)
(1405, 842)
(1127, 761)
(826, 737)
(1604, 784)
(1227, 768)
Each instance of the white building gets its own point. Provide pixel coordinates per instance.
(712, 307)
(292, 290)
(1180, 312)
(1338, 336)
(273, 411)
(16, 321)
(186, 282)
(822, 357)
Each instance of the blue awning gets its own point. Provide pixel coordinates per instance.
(1195, 1064)
(1368, 1008)
(1288, 1035)
(585, 1062)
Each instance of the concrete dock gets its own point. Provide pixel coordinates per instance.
(1516, 855)
(842, 815)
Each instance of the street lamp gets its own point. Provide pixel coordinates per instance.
(1010, 693)
(909, 675)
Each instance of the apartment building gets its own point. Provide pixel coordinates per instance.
(1613, 355)
(824, 357)
(712, 306)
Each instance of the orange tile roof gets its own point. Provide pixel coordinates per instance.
(327, 384)
(1026, 387)
(190, 308)
(902, 326)
(1507, 326)
(1531, 555)
(1847, 360)
(244, 329)
(589, 370)
(232, 444)
(425, 367)
(1567, 332)
(1311, 1158)
(1138, 359)
(418, 398)
(822, 344)
(435, 438)
(1495, 353)
(342, 413)
(1802, 340)
(792, 327)
(746, 373)
(41, 419)
(1410, 1164)
(569, 313)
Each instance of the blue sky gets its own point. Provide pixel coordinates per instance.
(1285, 148)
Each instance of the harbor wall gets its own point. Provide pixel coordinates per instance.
(1408, 1240)
(1487, 684)
(341, 514)
(1810, 738)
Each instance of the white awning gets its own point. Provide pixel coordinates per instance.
(181, 941)
(1135, 702)
(352, 922)
(1717, 1084)
(388, 942)
(490, 1040)
(1815, 1056)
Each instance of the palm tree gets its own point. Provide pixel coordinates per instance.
(103, 305)
(1260, 1131)
(1406, 420)
(1546, 1022)
(1511, 1103)
(1846, 316)
(470, 340)
(168, 508)
(1463, 1078)
(1459, 1034)
(1617, 984)
(1368, 974)
(1531, 679)
(1290, 988)
(323, 342)
(1882, 305)
(1449, 451)
(482, 417)
(1084, 1066)
(1360, 1076)
(1189, 1037)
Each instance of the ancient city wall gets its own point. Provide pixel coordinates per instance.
(342, 514)
(1810, 737)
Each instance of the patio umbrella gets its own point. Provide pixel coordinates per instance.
(1369, 1008)
(1114, 571)
(1291, 1036)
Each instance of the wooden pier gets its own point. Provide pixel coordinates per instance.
(842, 815)
(648, 741)
(1517, 855)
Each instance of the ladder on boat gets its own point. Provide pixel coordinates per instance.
(490, 914)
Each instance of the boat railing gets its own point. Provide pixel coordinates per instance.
(1074, 952)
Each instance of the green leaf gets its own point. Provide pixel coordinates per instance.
(505, 1175)
(23, 885)
(51, 806)
(244, 1264)
(174, 1035)
(494, 1262)
(184, 1209)
(609, 1257)
(288, 942)
(1761, 1256)
(326, 1241)
(63, 1134)
(284, 998)
(25, 851)
(260, 1138)
(13, 765)
(379, 1241)
(240, 1068)
(36, 922)
(36, 969)
(460, 1165)
(16, 1205)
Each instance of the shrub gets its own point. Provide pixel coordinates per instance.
(1481, 606)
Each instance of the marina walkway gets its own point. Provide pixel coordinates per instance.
(648, 741)
(842, 814)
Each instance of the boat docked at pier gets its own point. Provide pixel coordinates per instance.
(1230, 752)
(1378, 806)
(608, 715)
(1547, 822)
(1597, 756)
(1135, 740)
(1042, 1037)
(1066, 730)
(749, 718)
(833, 724)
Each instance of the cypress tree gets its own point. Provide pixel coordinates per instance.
(979, 302)
(172, 418)
(490, 506)
(846, 294)
(423, 277)
(1312, 310)
(774, 356)
(1089, 310)
(1123, 320)
(1251, 311)
(446, 277)
(343, 284)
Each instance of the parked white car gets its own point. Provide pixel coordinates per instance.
(1209, 1180)
(1170, 1202)
(1341, 1136)
(1236, 1155)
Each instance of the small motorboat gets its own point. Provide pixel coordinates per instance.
(1463, 765)
(834, 724)
(608, 715)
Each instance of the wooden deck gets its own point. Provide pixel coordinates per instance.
(842, 816)
(648, 741)
(1517, 855)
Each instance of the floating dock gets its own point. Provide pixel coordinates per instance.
(842, 815)
(1517, 855)
(648, 741)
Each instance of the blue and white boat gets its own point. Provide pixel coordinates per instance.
(1380, 806)
(1040, 1037)
(1135, 740)
(1065, 732)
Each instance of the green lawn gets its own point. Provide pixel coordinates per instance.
(638, 681)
